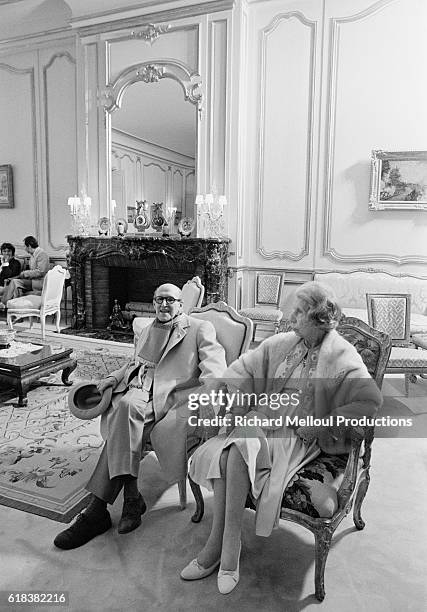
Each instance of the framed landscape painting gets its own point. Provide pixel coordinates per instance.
(6, 187)
(398, 180)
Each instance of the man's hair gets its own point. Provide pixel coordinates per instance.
(321, 304)
(7, 245)
(169, 286)
(30, 241)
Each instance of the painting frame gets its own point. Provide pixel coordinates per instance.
(398, 180)
(6, 187)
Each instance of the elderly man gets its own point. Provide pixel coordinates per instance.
(174, 355)
(29, 280)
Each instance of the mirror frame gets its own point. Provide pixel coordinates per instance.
(147, 72)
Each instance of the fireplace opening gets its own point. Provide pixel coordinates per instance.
(132, 286)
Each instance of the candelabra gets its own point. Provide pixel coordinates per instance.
(210, 215)
(80, 214)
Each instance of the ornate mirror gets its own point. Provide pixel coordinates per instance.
(153, 111)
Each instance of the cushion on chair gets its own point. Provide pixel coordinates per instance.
(418, 323)
(420, 340)
(29, 302)
(402, 357)
(262, 314)
(313, 490)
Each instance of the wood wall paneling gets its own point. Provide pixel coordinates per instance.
(18, 145)
(287, 48)
(375, 101)
(59, 97)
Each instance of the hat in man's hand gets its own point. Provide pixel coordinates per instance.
(86, 402)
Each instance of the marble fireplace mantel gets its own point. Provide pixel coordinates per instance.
(91, 258)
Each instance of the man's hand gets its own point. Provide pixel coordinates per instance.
(105, 383)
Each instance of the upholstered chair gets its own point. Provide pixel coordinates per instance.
(391, 313)
(192, 297)
(268, 291)
(324, 491)
(32, 306)
(234, 333)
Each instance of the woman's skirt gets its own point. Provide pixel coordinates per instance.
(272, 458)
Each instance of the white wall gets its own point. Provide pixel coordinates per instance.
(38, 127)
(328, 82)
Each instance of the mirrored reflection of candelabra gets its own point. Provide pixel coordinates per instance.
(210, 216)
(80, 214)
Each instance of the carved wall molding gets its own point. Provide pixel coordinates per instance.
(46, 67)
(370, 270)
(31, 73)
(151, 72)
(150, 33)
(114, 20)
(265, 33)
(332, 83)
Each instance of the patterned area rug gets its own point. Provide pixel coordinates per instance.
(46, 454)
(100, 334)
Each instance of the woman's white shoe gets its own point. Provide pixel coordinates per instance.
(195, 571)
(229, 579)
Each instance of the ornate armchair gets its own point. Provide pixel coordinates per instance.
(192, 297)
(324, 491)
(234, 333)
(268, 291)
(40, 306)
(391, 313)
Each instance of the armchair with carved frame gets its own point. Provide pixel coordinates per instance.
(348, 486)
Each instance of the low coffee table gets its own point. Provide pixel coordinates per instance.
(24, 369)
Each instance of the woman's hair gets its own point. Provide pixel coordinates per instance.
(7, 245)
(322, 307)
(30, 241)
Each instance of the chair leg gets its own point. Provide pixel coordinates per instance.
(254, 333)
(407, 380)
(31, 322)
(57, 320)
(9, 321)
(200, 504)
(323, 539)
(182, 488)
(360, 496)
(43, 326)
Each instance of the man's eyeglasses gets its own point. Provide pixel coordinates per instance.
(169, 300)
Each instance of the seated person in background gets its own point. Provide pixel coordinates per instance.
(331, 379)
(174, 356)
(30, 280)
(9, 266)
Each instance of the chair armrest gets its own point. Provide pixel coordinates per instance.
(352, 468)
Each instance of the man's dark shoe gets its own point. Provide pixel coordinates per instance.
(133, 507)
(85, 527)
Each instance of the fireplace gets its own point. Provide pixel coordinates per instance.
(130, 268)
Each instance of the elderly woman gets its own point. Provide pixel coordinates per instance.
(312, 363)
